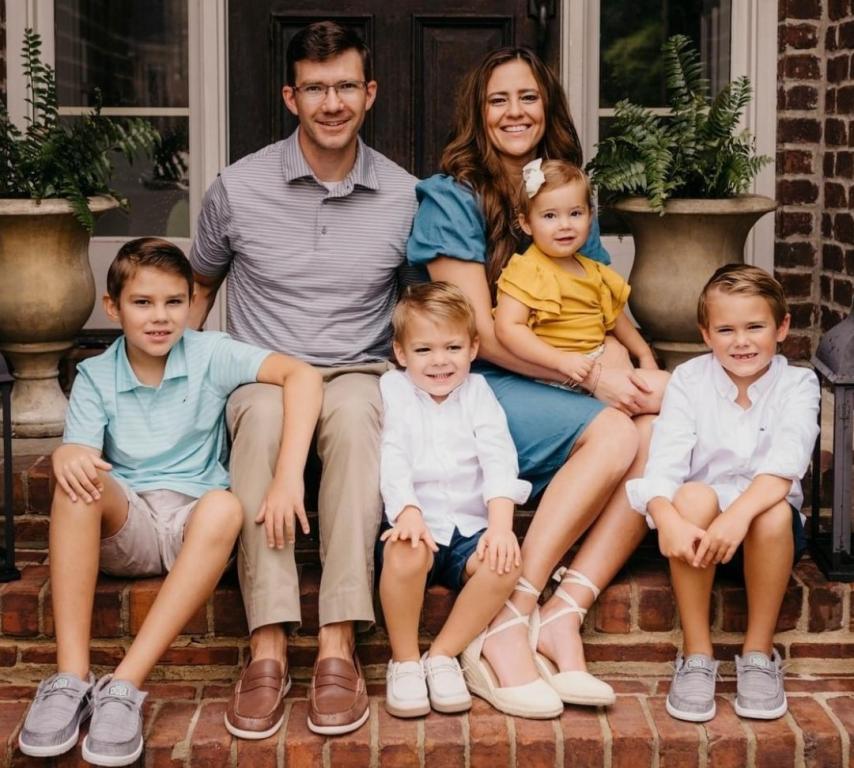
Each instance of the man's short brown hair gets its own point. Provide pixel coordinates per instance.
(321, 41)
(744, 280)
(146, 252)
(439, 301)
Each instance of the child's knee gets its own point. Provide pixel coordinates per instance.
(401, 560)
(775, 524)
(697, 503)
(223, 514)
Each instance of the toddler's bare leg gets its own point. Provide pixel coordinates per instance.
(76, 530)
(698, 504)
(402, 582)
(768, 554)
(480, 600)
(208, 541)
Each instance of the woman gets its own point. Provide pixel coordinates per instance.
(512, 109)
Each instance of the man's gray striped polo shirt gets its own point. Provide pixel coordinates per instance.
(312, 271)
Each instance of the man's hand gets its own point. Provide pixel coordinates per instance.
(282, 504)
(502, 547)
(76, 470)
(722, 539)
(410, 526)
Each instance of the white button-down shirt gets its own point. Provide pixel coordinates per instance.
(448, 459)
(702, 435)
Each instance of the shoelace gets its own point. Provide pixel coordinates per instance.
(443, 666)
(694, 680)
(54, 710)
(110, 716)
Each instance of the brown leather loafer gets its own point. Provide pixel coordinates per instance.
(257, 708)
(338, 699)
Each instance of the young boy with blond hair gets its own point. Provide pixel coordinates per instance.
(722, 485)
(449, 481)
(140, 491)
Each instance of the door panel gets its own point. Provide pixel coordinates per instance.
(421, 50)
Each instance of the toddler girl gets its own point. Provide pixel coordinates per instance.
(557, 308)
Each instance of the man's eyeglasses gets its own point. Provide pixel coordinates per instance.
(344, 90)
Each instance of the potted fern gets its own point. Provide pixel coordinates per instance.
(680, 183)
(54, 181)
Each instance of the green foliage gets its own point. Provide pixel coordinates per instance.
(69, 159)
(695, 151)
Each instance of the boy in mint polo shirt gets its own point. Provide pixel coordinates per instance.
(141, 491)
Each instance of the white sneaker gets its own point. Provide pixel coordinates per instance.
(405, 689)
(445, 682)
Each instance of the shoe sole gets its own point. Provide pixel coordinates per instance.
(762, 714)
(257, 735)
(50, 751)
(405, 712)
(509, 709)
(451, 707)
(691, 717)
(111, 761)
(337, 730)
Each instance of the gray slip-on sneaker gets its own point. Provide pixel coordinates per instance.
(692, 691)
(115, 734)
(759, 686)
(52, 725)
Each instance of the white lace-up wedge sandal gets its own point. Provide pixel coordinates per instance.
(536, 700)
(574, 686)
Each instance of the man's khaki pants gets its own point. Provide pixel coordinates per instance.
(349, 503)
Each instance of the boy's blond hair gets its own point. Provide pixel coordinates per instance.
(439, 301)
(743, 280)
(557, 173)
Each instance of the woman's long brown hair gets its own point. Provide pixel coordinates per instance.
(471, 159)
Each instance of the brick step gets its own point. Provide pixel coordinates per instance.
(184, 727)
(633, 628)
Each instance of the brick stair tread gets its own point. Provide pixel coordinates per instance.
(184, 727)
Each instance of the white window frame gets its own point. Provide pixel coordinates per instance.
(753, 36)
(208, 112)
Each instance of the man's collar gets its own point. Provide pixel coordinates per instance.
(126, 379)
(295, 166)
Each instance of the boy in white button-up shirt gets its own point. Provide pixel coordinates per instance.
(449, 481)
(733, 440)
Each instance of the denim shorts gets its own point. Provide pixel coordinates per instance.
(734, 569)
(449, 563)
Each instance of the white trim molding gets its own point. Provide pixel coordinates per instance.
(21, 14)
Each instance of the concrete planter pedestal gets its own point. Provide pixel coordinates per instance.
(46, 295)
(675, 254)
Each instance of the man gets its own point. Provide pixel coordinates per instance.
(311, 231)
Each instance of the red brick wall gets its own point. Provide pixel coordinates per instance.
(814, 253)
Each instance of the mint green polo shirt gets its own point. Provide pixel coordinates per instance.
(172, 436)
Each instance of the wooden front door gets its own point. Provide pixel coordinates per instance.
(421, 49)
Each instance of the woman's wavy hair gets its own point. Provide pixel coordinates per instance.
(471, 159)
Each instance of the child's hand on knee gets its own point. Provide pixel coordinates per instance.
(722, 539)
(76, 470)
(503, 549)
(680, 539)
(410, 526)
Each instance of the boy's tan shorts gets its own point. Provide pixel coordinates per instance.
(149, 541)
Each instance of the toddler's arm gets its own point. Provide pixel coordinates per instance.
(630, 338)
(511, 328)
(302, 394)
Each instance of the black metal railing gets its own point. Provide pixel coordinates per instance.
(8, 571)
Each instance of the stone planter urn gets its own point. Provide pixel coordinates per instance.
(675, 254)
(47, 292)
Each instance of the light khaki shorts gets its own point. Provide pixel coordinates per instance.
(149, 541)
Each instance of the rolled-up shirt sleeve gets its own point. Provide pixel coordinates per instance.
(210, 253)
(674, 436)
(396, 484)
(495, 449)
(795, 431)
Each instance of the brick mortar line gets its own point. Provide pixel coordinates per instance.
(559, 744)
(840, 727)
(280, 741)
(750, 737)
(419, 741)
(650, 721)
(607, 739)
(375, 734)
(511, 740)
(800, 754)
(183, 748)
(152, 716)
(466, 740)
(803, 616)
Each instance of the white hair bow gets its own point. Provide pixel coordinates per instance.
(533, 177)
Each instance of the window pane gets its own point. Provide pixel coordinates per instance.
(135, 51)
(157, 189)
(631, 38)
